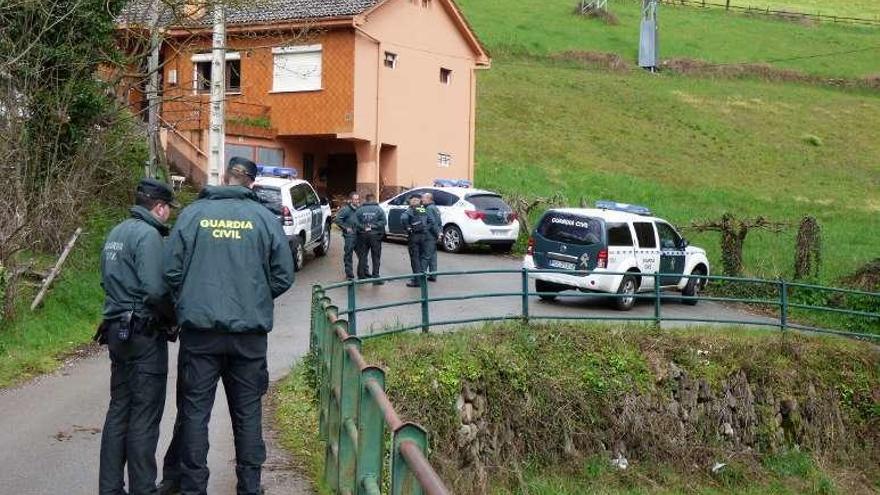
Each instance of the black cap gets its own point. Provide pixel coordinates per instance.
(242, 166)
(159, 190)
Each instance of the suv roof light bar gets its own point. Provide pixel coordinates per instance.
(282, 172)
(628, 208)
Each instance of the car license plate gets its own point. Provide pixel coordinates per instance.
(563, 265)
(499, 233)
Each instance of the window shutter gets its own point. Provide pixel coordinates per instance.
(297, 68)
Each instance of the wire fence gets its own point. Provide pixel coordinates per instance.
(768, 11)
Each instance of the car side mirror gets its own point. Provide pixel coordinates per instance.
(325, 201)
(683, 243)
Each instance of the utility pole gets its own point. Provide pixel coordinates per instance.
(217, 126)
(649, 47)
(153, 90)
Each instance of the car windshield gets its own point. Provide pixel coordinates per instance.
(488, 202)
(571, 229)
(268, 195)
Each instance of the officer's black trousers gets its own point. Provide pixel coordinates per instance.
(240, 361)
(369, 248)
(419, 256)
(431, 254)
(349, 249)
(171, 463)
(137, 397)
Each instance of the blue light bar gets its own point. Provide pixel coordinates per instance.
(281, 172)
(613, 205)
(452, 183)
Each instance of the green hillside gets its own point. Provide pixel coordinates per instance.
(511, 26)
(692, 148)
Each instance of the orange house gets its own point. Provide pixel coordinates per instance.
(368, 95)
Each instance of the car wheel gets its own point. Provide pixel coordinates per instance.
(324, 247)
(542, 286)
(453, 241)
(628, 287)
(299, 253)
(693, 287)
(505, 248)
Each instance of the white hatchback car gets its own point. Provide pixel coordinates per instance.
(470, 216)
(304, 216)
(619, 238)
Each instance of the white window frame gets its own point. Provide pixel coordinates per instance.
(207, 57)
(287, 50)
(449, 72)
(392, 57)
(444, 160)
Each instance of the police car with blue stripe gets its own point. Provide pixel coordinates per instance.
(304, 216)
(613, 237)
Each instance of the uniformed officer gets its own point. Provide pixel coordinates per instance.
(418, 225)
(138, 315)
(437, 222)
(226, 260)
(346, 219)
(371, 221)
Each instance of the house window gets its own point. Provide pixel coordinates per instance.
(297, 68)
(446, 76)
(444, 160)
(202, 72)
(390, 60)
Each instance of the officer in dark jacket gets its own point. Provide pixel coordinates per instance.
(227, 259)
(137, 317)
(346, 219)
(371, 223)
(437, 222)
(419, 226)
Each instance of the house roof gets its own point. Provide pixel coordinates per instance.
(249, 11)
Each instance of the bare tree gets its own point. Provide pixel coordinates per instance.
(733, 236)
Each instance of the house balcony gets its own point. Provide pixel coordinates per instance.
(242, 118)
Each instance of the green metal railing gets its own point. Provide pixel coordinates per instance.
(782, 301)
(356, 414)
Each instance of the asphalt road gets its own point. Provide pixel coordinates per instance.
(51, 427)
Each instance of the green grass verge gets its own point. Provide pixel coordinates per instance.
(592, 381)
(36, 342)
(296, 418)
(514, 26)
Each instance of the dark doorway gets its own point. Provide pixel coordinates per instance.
(341, 174)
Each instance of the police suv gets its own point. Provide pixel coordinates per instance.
(613, 237)
(304, 216)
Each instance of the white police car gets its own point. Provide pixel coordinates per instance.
(612, 237)
(304, 216)
(470, 216)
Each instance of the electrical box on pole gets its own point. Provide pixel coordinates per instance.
(649, 43)
(217, 125)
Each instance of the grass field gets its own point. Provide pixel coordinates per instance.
(691, 148)
(541, 28)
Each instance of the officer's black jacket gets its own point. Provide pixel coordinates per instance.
(370, 216)
(131, 268)
(226, 260)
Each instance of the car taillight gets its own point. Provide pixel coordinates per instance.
(286, 216)
(530, 250)
(602, 259)
(475, 215)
